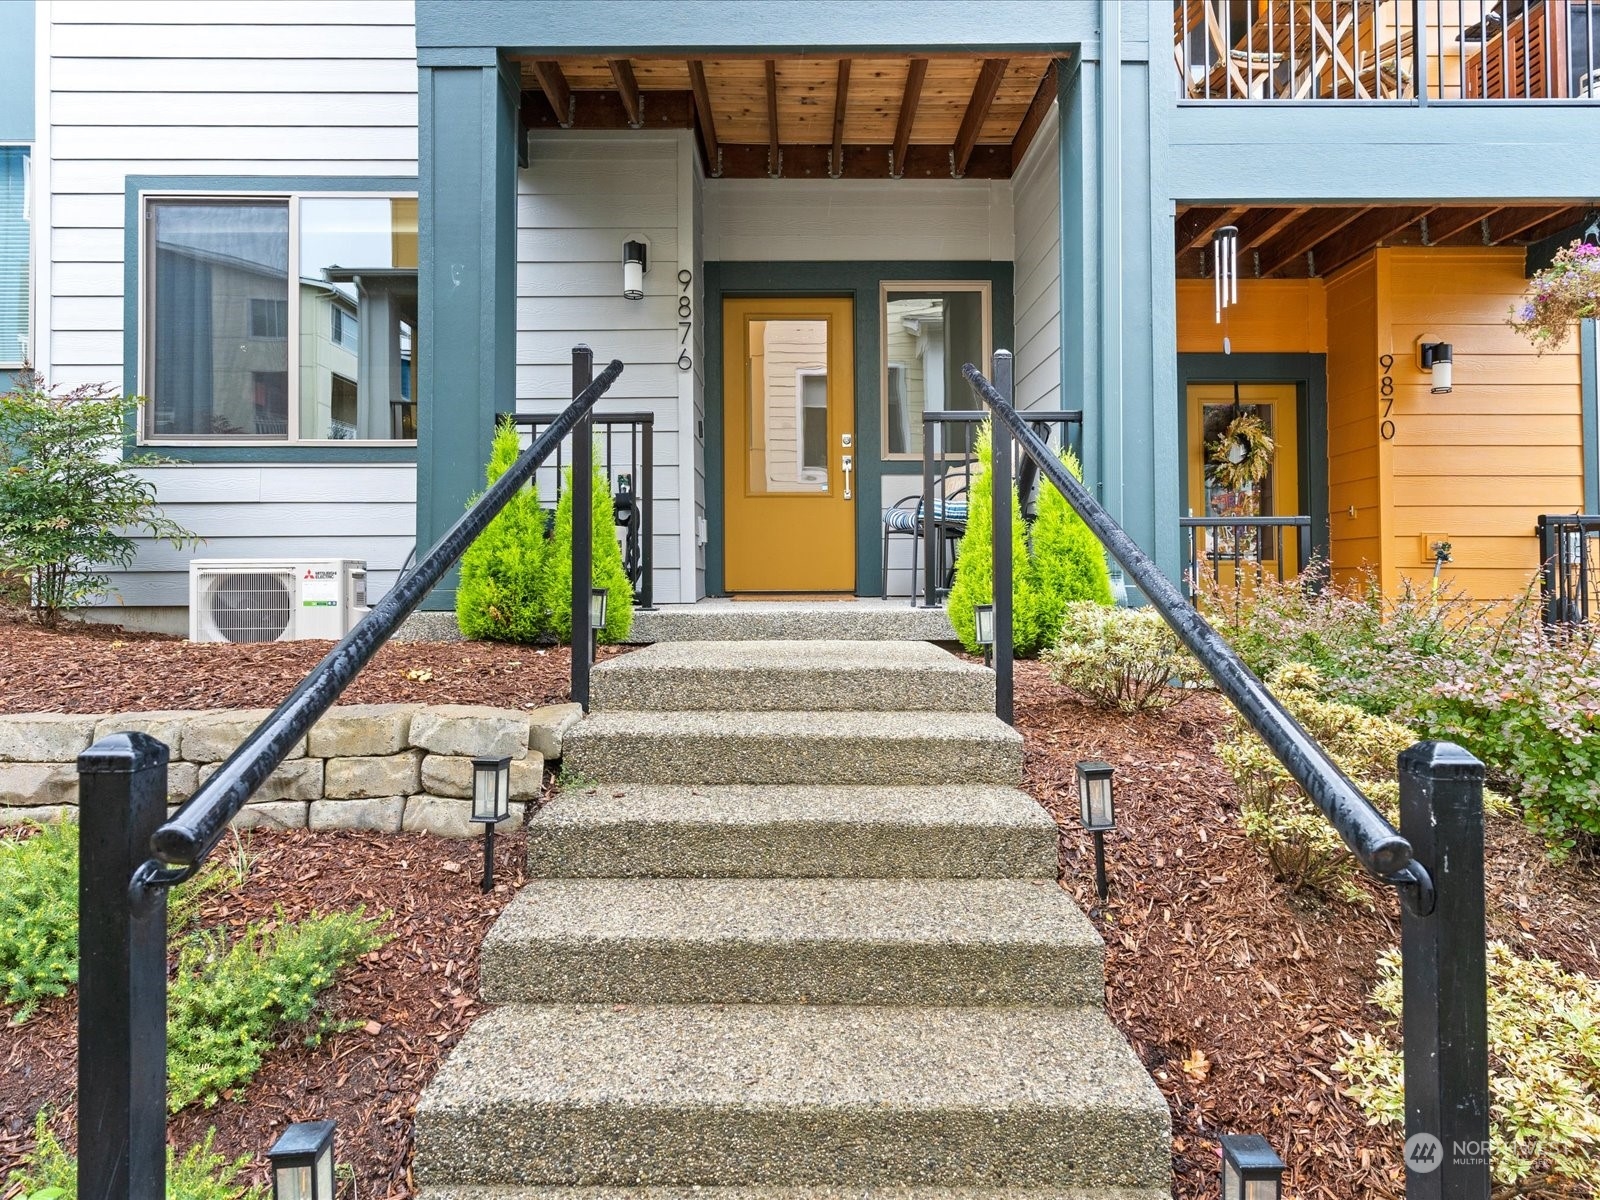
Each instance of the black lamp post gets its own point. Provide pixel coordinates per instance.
(983, 622)
(491, 804)
(1251, 1169)
(598, 599)
(1098, 811)
(302, 1162)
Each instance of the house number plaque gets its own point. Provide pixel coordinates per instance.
(685, 318)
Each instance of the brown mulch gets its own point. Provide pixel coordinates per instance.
(106, 669)
(408, 1002)
(1234, 993)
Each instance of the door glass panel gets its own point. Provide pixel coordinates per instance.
(1245, 500)
(787, 442)
(928, 336)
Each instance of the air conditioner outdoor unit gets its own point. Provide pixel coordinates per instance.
(275, 600)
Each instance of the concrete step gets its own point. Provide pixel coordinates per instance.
(755, 832)
(614, 1095)
(793, 676)
(856, 620)
(793, 941)
(820, 1191)
(903, 748)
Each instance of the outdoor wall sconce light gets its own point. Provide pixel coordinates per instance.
(598, 599)
(491, 804)
(302, 1162)
(634, 264)
(983, 620)
(1098, 811)
(1436, 358)
(1251, 1169)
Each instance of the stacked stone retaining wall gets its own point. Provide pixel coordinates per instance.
(388, 767)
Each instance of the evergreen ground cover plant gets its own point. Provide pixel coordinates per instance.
(198, 1174)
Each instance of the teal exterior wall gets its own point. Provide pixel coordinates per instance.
(1589, 347)
(16, 74)
(1131, 151)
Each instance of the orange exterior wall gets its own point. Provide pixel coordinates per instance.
(1359, 495)
(1283, 316)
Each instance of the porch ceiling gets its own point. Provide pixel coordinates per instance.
(1289, 242)
(920, 116)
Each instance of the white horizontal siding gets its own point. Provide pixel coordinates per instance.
(251, 87)
(768, 220)
(1036, 189)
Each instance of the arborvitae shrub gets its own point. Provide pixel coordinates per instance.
(1068, 562)
(608, 569)
(500, 596)
(974, 582)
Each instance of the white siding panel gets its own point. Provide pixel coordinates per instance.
(87, 279)
(180, 143)
(230, 41)
(280, 76)
(103, 313)
(237, 12)
(86, 245)
(107, 109)
(1036, 189)
(379, 553)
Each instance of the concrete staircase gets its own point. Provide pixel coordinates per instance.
(796, 936)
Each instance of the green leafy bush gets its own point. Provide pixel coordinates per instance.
(228, 1002)
(1063, 564)
(38, 916)
(1121, 658)
(1530, 708)
(607, 565)
(50, 1173)
(499, 596)
(1544, 1070)
(1275, 812)
(70, 504)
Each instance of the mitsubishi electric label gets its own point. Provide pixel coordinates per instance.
(319, 589)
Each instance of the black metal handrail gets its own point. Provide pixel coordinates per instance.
(1569, 576)
(182, 843)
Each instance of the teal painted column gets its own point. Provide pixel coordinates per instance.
(466, 279)
(1589, 365)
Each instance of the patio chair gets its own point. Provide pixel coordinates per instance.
(905, 519)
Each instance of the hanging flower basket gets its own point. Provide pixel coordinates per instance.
(1565, 292)
(1241, 455)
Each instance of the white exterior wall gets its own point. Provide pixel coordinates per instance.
(251, 87)
(1036, 188)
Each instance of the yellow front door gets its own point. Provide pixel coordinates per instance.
(791, 465)
(1234, 554)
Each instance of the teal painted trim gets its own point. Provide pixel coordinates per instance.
(665, 26)
(859, 281)
(1589, 351)
(17, 80)
(1309, 374)
(457, 56)
(132, 248)
(8, 380)
(466, 286)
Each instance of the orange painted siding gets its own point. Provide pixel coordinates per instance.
(1282, 316)
(1355, 487)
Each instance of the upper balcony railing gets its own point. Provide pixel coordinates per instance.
(1403, 51)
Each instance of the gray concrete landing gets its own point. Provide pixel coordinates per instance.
(845, 619)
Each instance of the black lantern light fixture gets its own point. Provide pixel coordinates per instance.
(302, 1162)
(1251, 1169)
(983, 622)
(599, 598)
(1436, 358)
(491, 804)
(1097, 808)
(635, 262)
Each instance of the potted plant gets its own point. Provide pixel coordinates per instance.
(1566, 291)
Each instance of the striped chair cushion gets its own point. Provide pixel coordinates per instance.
(905, 520)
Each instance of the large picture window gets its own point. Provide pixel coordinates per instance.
(280, 318)
(14, 265)
(929, 330)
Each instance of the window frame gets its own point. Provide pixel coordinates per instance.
(291, 194)
(30, 262)
(886, 288)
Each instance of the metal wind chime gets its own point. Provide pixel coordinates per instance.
(1225, 276)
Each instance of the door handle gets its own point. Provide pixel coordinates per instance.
(847, 463)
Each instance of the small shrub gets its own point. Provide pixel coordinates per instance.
(607, 565)
(1068, 562)
(227, 1003)
(1275, 812)
(38, 916)
(1122, 658)
(499, 596)
(70, 503)
(50, 1173)
(1544, 1070)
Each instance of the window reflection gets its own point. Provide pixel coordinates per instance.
(788, 399)
(928, 335)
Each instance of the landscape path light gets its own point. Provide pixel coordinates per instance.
(983, 623)
(1097, 808)
(1251, 1169)
(302, 1162)
(491, 804)
(599, 598)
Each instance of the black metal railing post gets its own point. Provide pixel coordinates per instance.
(1445, 978)
(930, 554)
(646, 489)
(122, 972)
(582, 529)
(1000, 509)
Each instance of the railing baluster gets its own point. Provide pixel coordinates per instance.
(1000, 512)
(582, 529)
(646, 489)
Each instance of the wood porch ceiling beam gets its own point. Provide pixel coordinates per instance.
(706, 121)
(841, 94)
(1510, 222)
(628, 89)
(1363, 234)
(1260, 224)
(1195, 225)
(1567, 218)
(607, 110)
(1446, 223)
(774, 150)
(1314, 226)
(553, 83)
(983, 94)
(1037, 110)
(814, 161)
(909, 97)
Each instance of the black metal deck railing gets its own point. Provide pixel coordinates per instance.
(1569, 579)
(1435, 860)
(130, 852)
(1251, 546)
